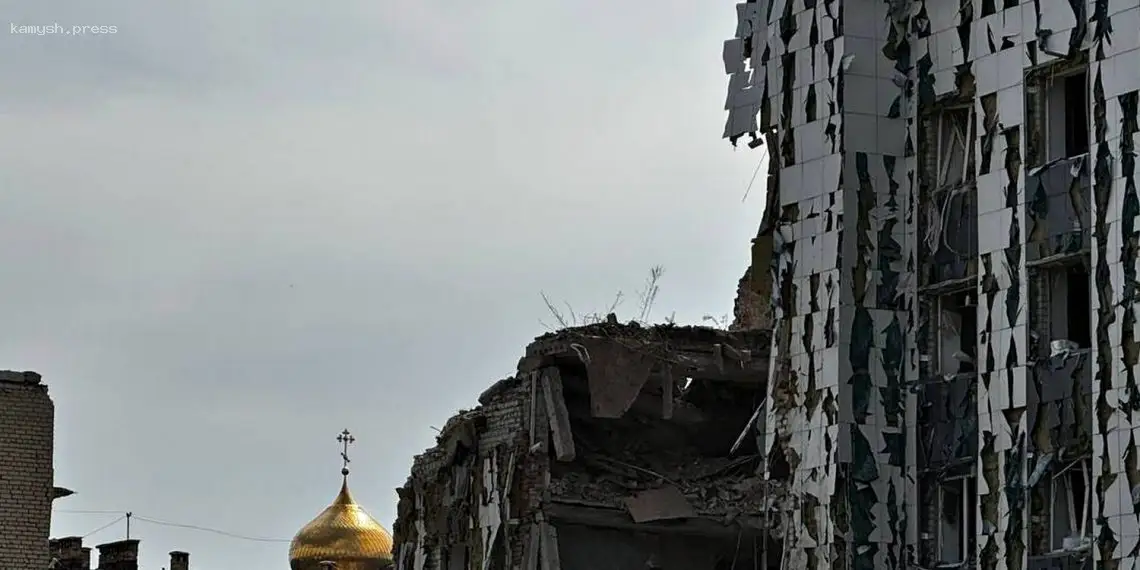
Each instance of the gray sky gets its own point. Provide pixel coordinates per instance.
(229, 232)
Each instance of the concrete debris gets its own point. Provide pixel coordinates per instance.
(659, 504)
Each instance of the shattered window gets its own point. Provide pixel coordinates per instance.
(1070, 507)
(1076, 115)
(1067, 116)
(1070, 321)
(956, 519)
(957, 333)
(954, 133)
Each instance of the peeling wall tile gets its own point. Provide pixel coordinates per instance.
(1031, 215)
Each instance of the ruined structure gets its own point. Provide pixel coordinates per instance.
(949, 182)
(613, 446)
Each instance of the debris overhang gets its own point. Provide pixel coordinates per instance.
(561, 511)
(698, 353)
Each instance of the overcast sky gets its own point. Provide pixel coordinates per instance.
(232, 229)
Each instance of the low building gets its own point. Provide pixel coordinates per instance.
(27, 439)
(613, 446)
(70, 554)
(27, 490)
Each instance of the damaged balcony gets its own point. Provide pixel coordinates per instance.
(1060, 404)
(1058, 211)
(614, 446)
(947, 446)
(1060, 507)
(948, 415)
(947, 393)
(1059, 417)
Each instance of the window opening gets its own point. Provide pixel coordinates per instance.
(1070, 505)
(957, 524)
(955, 129)
(1070, 306)
(1067, 116)
(1076, 115)
(957, 333)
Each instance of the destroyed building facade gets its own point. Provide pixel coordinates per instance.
(951, 245)
(613, 446)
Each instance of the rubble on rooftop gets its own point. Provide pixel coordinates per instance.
(636, 443)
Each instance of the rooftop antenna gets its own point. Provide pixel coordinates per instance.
(346, 439)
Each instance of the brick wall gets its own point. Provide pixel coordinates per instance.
(27, 422)
(70, 553)
(752, 308)
(503, 427)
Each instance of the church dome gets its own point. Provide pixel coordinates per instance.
(343, 533)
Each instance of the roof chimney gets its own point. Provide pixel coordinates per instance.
(179, 560)
(121, 555)
(70, 553)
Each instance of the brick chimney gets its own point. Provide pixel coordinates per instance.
(179, 560)
(70, 553)
(121, 555)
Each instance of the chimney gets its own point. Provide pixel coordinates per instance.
(70, 553)
(121, 555)
(179, 560)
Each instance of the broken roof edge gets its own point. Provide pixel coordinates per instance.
(695, 352)
(747, 349)
(664, 332)
(26, 377)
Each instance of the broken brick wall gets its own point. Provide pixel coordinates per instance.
(753, 306)
(643, 438)
(455, 507)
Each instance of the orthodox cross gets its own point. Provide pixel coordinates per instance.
(346, 439)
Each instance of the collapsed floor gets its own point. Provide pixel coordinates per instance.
(613, 447)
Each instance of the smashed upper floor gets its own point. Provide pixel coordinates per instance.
(633, 443)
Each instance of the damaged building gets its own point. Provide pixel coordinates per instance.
(950, 243)
(612, 447)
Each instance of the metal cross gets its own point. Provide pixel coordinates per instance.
(346, 439)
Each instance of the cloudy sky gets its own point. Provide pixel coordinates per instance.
(229, 231)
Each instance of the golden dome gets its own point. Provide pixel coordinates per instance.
(345, 534)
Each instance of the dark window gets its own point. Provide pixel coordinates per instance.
(1079, 307)
(1076, 115)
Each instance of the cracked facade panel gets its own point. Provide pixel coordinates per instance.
(953, 366)
(1114, 96)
